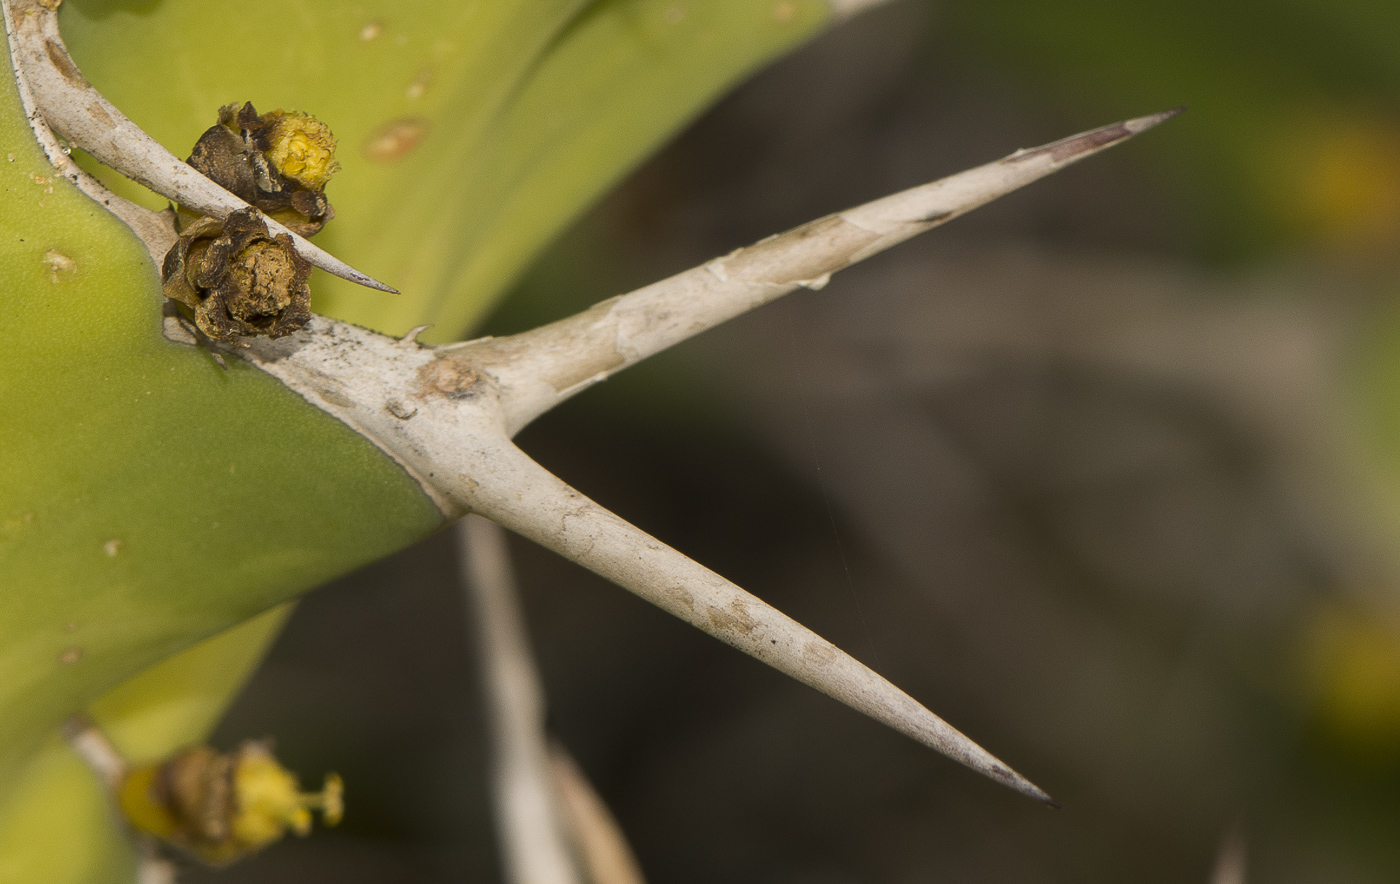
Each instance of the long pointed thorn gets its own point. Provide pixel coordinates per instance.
(541, 368)
(74, 109)
(528, 499)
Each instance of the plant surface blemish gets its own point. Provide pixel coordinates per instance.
(58, 264)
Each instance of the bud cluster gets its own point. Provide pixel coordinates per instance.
(235, 277)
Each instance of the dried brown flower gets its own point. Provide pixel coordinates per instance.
(237, 279)
(278, 162)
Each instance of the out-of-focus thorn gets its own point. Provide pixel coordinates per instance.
(844, 9)
(530, 822)
(151, 867)
(93, 747)
(98, 753)
(602, 847)
(1230, 862)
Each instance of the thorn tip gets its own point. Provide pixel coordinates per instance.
(1142, 124)
(372, 283)
(1029, 789)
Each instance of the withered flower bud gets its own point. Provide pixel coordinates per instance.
(221, 807)
(237, 279)
(278, 162)
(299, 146)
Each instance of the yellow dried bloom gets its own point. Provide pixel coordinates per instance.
(278, 162)
(301, 147)
(270, 801)
(222, 807)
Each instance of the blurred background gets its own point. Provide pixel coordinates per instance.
(1103, 474)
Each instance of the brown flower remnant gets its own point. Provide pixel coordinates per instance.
(221, 807)
(278, 162)
(237, 279)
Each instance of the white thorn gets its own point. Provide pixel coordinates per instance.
(538, 505)
(456, 445)
(541, 368)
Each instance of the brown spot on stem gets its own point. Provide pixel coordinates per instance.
(70, 655)
(449, 376)
(334, 396)
(683, 595)
(66, 68)
(112, 547)
(396, 139)
(818, 654)
(734, 619)
(99, 113)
